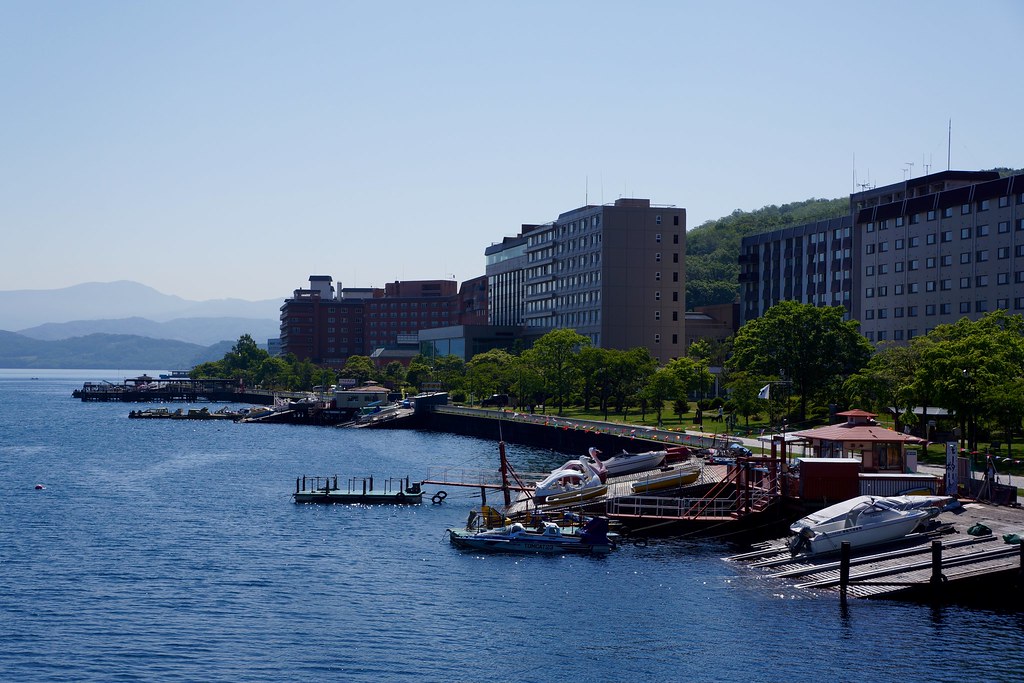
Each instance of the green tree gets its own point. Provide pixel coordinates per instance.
(805, 344)
(394, 375)
(359, 368)
(743, 389)
(554, 354)
(663, 386)
(964, 362)
(490, 372)
(450, 371)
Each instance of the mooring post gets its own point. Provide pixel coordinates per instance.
(844, 567)
(483, 499)
(297, 489)
(303, 482)
(371, 482)
(364, 487)
(937, 576)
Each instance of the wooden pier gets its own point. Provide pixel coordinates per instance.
(148, 389)
(951, 562)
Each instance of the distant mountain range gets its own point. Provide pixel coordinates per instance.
(27, 308)
(110, 351)
(203, 331)
(124, 324)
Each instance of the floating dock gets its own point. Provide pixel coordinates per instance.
(951, 562)
(359, 491)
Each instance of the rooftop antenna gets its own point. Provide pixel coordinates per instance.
(949, 141)
(911, 165)
(927, 167)
(586, 191)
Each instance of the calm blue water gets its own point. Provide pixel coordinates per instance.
(171, 551)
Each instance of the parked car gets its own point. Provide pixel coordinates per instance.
(496, 400)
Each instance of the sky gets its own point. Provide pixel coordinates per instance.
(233, 148)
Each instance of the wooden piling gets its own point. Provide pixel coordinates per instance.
(844, 567)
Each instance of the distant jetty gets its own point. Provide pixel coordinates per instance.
(145, 389)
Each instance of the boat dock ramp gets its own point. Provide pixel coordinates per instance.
(973, 554)
(357, 491)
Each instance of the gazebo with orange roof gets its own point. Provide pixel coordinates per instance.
(880, 449)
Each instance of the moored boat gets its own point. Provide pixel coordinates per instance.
(548, 537)
(625, 463)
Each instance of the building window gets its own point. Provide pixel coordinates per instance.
(1003, 252)
(965, 209)
(869, 293)
(657, 275)
(965, 306)
(675, 221)
(869, 270)
(945, 309)
(965, 257)
(1002, 304)
(915, 241)
(657, 238)
(898, 267)
(912, 311)
(897, 312)
(982, 231)
(982, 255)
(929, 262)
(929, 238)
(965, 283)
(1002, 278)
(981, 281)
(947, 212)
(675, 276)
(947, 259)
(657, 315)
(931, 215)
(914, 264)
(869, 249)
(965, 233)
(929, 286)
(657, 296)
(983, 205)
(899, 244)
(675, 337)
(1004, 227)
(869, 314)
(929, 309)
(657, 339)
(883, 290)
(947, 235)
(657, 219)
(981, 306)
(657, 257)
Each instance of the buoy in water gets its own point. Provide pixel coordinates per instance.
(39, 487)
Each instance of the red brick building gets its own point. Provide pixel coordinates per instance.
(327, 326)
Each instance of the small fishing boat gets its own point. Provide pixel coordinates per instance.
(667, 478)
(548, 537)
(573, 482)
(862, 521)
(625, 463)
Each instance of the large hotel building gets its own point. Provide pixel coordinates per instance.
(616, 273)
(910, 256)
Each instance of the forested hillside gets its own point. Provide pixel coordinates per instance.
(713, 248)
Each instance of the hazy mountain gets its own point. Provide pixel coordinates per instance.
(104, 351)
(203, 331)
(26, 308)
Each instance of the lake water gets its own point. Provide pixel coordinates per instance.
(170, 550)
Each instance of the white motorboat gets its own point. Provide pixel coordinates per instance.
(862, 521)
(592, 538)
(629, 463)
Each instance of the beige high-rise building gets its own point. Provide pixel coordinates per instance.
(615, 273)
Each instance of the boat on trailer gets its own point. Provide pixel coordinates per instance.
(862, 521)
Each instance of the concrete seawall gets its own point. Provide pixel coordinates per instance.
(564, 435)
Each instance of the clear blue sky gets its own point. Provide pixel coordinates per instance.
(231, 149)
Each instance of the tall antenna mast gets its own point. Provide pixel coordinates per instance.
(949, 141)
(586, 191)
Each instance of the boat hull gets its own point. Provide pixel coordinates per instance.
(858, 537)
(534, 543)
(667, 480)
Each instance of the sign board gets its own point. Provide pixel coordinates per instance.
(951, 479)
